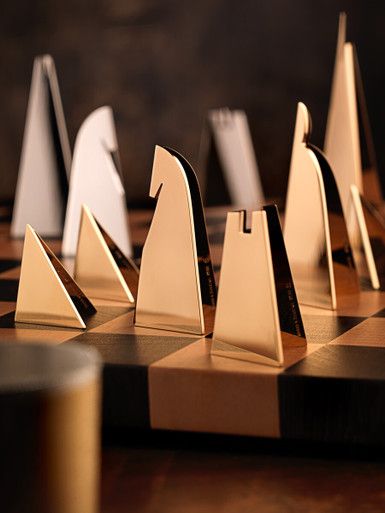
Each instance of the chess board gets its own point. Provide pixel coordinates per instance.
(331, 391)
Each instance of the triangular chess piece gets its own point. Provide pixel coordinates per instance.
(96, 182)
(315, 233)
(47, 293)
(176, 276)
(257, 310)
(45, 163)
(101, 268)
(348, 124)
(228, 158)
(354, 164)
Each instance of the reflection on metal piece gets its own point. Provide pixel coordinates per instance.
(228, 157)
(315, 233)
(256, 297)
(365, 261)
(176, 276)
(101, 269)
(369, 246)
(96, 181)
(45, 163)
(289, 312)
(47, 293)
(342, 143)
(349, 142)
(350, 150)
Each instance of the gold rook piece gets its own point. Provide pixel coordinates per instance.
(354, 163)
(176, 275)
(257, 311)
(47, 293)
(316, 237)
(101, 268)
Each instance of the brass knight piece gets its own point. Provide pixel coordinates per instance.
(176, 276)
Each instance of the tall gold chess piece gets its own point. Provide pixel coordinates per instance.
(176, 277)
(354, 164)
(316, 238)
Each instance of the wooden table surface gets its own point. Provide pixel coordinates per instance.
(187, 473)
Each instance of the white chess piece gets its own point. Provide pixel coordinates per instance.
(96, 182)
(231, 140)
(45, 158)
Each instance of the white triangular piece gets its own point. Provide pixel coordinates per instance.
(42, 184)
(98, 271)
(176, 276)
(47, 294)
(96, 182)
(316, 237)
(247, 317)
(229, 136)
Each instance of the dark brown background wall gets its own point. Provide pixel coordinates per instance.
(162, 64)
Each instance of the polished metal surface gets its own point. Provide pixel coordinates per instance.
(256, 296)
(101, 268)
(247, 313)
(176, 276)
(96, 181)
(45, 162)
(347, 130)
(369, 249)
(315, 233)
(348, 117)
(342, 142)
(50, 405)
(361, 241)
(47, 293)
(290, 319)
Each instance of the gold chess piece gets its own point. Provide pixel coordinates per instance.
(47, 294)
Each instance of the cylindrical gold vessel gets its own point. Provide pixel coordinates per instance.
(49, 428)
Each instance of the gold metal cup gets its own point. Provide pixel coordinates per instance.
(49, 429)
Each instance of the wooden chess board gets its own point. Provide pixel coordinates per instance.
(332, 391)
